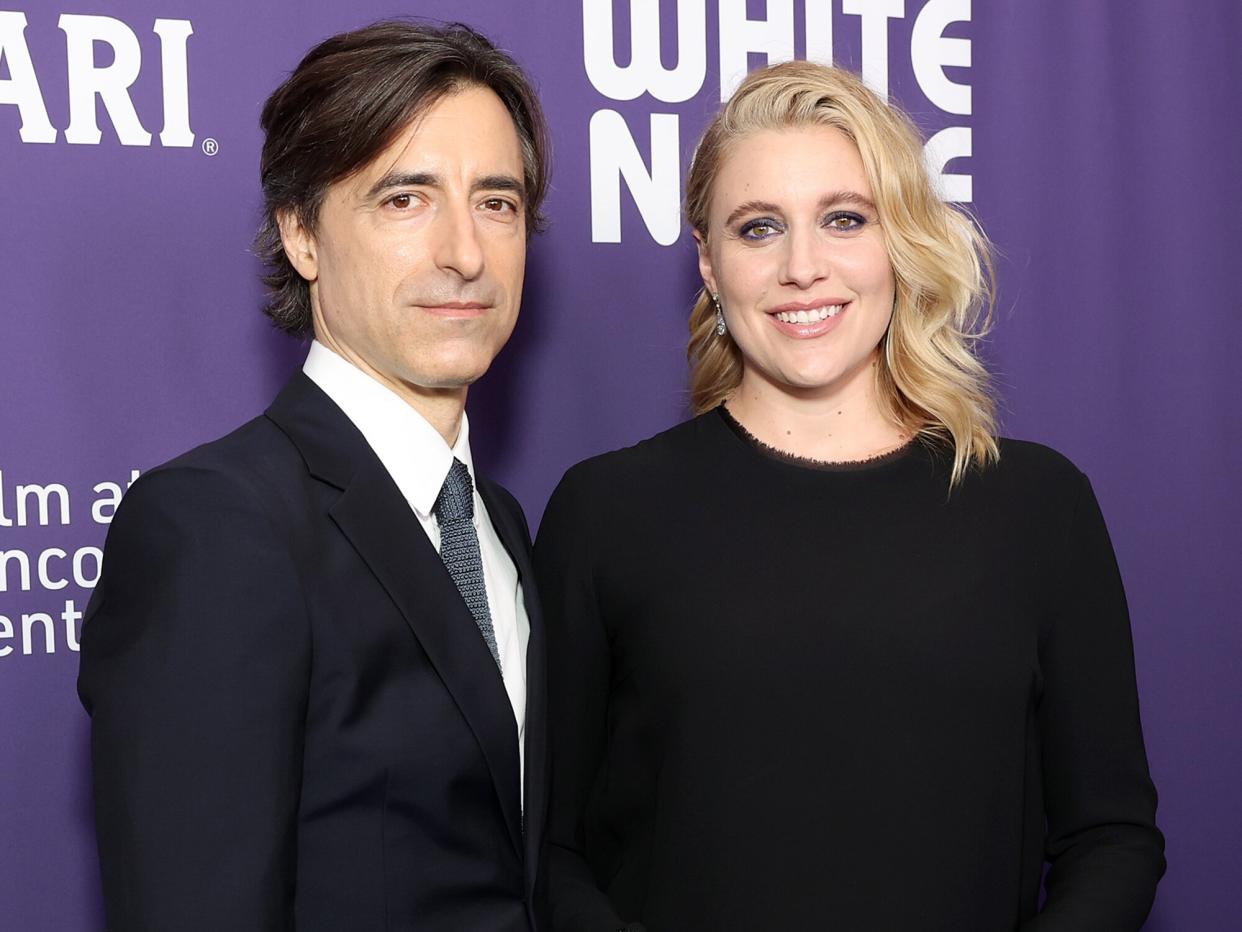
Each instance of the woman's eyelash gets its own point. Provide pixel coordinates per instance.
(852, 220)
(763, 227)
(758, 229)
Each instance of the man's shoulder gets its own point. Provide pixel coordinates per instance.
(253, 464)
(254, 449)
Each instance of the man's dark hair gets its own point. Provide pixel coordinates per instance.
(347, 101)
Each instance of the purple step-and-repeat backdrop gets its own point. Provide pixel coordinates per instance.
(1098, 142)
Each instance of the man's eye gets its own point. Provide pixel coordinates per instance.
(402, 201)
(498, 205)
(843, 221)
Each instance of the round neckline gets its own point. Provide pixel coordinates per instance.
(806, 462)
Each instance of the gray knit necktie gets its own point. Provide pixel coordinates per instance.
(459, 548)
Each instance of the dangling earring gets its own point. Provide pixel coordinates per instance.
(721, 327)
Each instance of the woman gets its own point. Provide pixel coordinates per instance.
(831, 655)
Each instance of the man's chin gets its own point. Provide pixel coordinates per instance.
(451, 380)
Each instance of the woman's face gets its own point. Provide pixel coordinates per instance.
(795, 252)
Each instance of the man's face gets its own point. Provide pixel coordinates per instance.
(416, 264)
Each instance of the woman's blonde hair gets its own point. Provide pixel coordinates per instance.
(929, 380)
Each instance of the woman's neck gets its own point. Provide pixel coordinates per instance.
(841, 424)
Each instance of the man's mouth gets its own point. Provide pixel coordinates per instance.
(457, 309)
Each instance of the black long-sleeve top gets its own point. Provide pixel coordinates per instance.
(788, 698)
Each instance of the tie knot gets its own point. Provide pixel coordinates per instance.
(455, 503)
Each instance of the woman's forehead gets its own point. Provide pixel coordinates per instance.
(795, 163)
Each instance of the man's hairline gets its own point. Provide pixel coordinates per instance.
(419, 111)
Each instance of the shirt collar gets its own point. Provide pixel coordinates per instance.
(412, 451)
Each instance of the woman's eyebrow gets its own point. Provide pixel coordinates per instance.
(847, 197)
(828, 200)
(752, 207)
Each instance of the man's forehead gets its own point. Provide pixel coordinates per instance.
(469, 128)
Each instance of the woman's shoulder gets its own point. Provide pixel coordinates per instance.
(678, 448)
(1030, 456)
(1037, 459)
(626, 486)
(1033, 472)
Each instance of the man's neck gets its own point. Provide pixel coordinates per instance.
(442, 408)
(441, 411)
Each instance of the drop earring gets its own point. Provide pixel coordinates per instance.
(721, 327)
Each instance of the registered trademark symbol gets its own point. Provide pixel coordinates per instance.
(210, 146)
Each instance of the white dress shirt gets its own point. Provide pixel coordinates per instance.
(418, 460)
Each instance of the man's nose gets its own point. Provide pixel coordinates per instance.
(457, 247)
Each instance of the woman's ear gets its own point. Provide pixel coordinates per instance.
(299, 244)
(705, 264)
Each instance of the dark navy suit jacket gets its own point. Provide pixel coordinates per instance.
(295, 721)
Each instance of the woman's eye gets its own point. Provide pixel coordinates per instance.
(758, 229)
(844, 222)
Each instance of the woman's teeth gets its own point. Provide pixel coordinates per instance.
(811, 316)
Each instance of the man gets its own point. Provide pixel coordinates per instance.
(314, 662)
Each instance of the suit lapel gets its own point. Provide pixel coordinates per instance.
(378, 522)
(511, 528)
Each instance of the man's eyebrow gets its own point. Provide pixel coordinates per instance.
(499, 183)
(404, 180)
(432, 180)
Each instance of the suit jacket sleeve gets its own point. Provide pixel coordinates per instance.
(578, 684)
(194, 665)
(1105, 851)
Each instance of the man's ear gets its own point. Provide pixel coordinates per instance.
(299, 244)
(705, 264)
